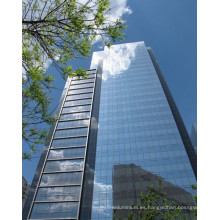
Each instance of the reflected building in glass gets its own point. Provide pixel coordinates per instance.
(118, 132)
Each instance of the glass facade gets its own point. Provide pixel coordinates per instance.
(138, 139)
(117, 133)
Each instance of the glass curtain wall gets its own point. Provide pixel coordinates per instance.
(138, 140)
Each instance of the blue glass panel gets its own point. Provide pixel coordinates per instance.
(138, 140)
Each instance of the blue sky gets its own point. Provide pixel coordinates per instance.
(169, 28)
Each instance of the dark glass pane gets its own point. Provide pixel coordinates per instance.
(61, 179)
(58, 193)
(72, 124)
(69, 142)
(78, 91)
(67, 153)
(80, 86)
(54, 210)
(71, 132)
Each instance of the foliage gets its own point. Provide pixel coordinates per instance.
(151, 203)
(56, 31)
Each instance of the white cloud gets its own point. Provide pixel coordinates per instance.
(116, 60)
(119, 8)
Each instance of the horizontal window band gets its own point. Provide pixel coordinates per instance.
(78, 80)
(61, 201)
(74, 119)
(75, 105)
(58, 129)
(90, 87)
(78, 99)
(67, 147)
(82, 83)
(48, 186)
(75, 158)
(75, 112)
(70, 171)
(82, 86)
(80, 93)
(80, 136)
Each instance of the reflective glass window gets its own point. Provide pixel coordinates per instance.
(75, 116)
(78, 91)
(64, 165)
(80, 96)
(78, 102)
(77, 109)
(58, 193)
(82, 81)
(72, 124)
(54, 210)
(80, 86)
(67, 153)
(71, 132)
(137, 135)
(69, 142)
(61, 178)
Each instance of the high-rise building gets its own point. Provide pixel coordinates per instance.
(118, 131)
(25, 190)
